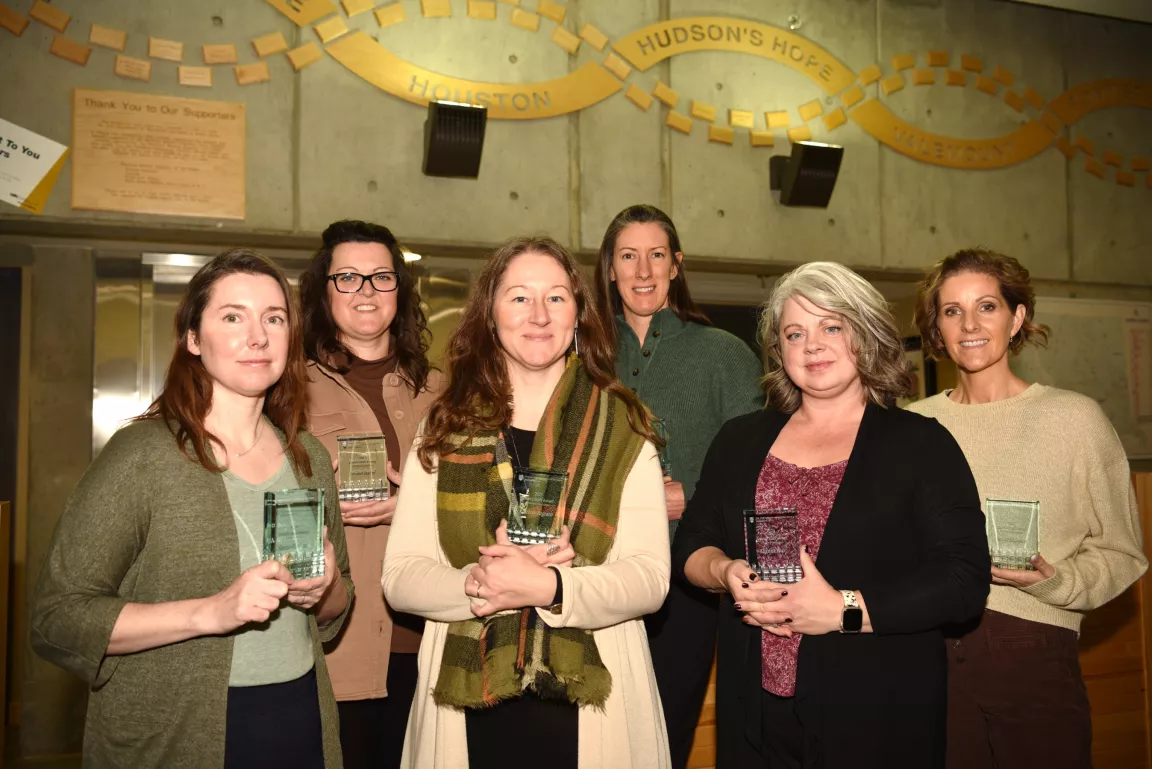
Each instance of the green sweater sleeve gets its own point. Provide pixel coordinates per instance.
(326, 479)
(739, 385)
(97, 539)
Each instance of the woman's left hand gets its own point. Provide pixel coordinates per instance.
(1022, 577)
(508, 577)
(306, 593)
(814, 606)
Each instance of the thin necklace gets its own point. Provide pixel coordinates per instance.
(259, 432)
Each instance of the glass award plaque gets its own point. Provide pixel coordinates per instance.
(661, 429)
(1013, 532)
(294, 530)
(536, 498)
(772, 542)
(363, 463)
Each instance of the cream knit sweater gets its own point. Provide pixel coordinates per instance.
(1058, 447)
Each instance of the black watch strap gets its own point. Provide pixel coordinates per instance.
(557, 605)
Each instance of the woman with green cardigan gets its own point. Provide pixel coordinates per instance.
(693, 378)
(197, 654)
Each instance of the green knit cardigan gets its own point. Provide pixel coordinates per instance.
(146, 525)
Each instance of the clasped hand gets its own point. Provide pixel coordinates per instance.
(1022, 578)
(511, 576)
(810, 606)
(257, 593)
(370, 513)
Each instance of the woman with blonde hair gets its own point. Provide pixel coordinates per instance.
(536, 654)
(842, 667)
(1015, 694)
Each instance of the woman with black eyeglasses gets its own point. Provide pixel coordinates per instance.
(366, 339)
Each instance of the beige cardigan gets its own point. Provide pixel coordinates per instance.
(358, 658)
(609, 599)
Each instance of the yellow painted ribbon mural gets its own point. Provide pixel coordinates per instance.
(841, 88)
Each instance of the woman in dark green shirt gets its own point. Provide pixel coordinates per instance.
(693, 378)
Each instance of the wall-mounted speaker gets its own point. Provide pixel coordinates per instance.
(454, 139)
(808, 176)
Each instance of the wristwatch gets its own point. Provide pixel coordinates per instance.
(557, 605)
(852, 620)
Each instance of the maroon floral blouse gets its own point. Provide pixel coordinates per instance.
(811, 491)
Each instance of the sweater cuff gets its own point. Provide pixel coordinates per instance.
(1054, 591)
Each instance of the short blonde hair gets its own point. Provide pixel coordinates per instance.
(875, 338)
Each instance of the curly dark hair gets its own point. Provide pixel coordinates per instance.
(1015, 286)
(409, 328)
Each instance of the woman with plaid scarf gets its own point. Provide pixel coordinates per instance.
(532, 534)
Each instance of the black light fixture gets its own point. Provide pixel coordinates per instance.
(454, 139)
(808, 176)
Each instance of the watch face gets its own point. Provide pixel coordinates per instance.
(853, 620)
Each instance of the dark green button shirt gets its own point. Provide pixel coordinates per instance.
(693, 377)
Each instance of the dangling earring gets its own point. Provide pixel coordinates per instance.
(576, 339)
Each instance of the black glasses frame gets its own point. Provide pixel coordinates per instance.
(394, 275)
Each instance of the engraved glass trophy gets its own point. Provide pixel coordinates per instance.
(772, 542)
(294, 530)
(363, 463)
(536, 498)
(1013, 532)
(661, 429)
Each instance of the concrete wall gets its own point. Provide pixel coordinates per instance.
(324, 145)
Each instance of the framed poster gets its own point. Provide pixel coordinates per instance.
(145, 154)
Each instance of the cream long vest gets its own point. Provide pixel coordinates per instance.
(609, 599)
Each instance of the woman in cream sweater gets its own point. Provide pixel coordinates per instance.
(1016, 696)
(532, 655)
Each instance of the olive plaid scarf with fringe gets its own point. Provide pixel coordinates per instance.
(584, 433)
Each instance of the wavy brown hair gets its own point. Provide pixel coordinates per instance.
(608, 295)
(1015, 286)
(479, 393)
(186, 398)
(409, 329)
(875, 338)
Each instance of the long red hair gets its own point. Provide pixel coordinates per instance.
(186, 398)
(479, 393)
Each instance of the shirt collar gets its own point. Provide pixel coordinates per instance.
(665, 321)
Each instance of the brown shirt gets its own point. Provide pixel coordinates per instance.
(358, 658)
(367, 378)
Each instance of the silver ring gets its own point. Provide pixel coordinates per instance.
(774, 624)
(478, 586)
(553, 549)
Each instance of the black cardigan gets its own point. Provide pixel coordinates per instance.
(905, 530)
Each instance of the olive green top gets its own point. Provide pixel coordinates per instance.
(148, 525)
(280, 649)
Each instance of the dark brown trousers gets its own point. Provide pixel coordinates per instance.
(1016, 697)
